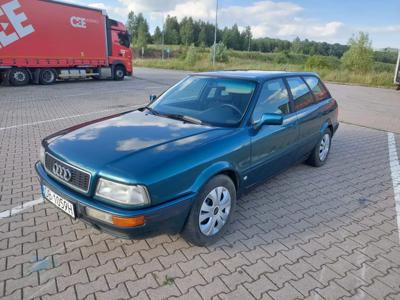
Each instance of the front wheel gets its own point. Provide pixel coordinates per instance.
(19, 77)
(212, 212)
(119, 73)
(320, 153)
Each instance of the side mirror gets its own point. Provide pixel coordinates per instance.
(269, 119)
(152, 98)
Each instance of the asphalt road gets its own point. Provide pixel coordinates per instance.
(316, 233)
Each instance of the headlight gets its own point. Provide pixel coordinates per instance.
(42, 154)
(122, 193)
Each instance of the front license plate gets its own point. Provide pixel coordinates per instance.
(58, 201)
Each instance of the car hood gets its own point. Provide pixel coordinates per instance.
(105, 142)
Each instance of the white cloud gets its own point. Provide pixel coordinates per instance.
(284, 20)
(267, 18)
(385, 29)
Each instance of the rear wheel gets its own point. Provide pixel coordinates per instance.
(47, 76)
(19, 77)
(212, 212)
(119, 73)
(320, 153)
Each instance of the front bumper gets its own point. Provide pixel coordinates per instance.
(164, 218)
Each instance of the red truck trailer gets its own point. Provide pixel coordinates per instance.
(45, 40)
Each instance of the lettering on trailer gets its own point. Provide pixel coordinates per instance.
(78, 22)
(8, 10)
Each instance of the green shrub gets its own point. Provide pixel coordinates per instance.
(322, 62)
(192, 55)
(383, 67)
(221, 53)
(285, 57)
(360, 56)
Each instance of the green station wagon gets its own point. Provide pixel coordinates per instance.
(180, 163)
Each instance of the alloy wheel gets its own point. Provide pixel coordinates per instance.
(324, 146)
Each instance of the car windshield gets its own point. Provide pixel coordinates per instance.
(205, 99)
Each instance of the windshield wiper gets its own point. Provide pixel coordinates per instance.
(184, 118)
(154, 112)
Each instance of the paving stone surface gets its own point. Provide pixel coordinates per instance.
(309, 233)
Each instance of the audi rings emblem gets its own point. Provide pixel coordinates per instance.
(62, 172)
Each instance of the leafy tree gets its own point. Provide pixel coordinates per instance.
(131, 23)
(386, 55)
(157, 36)
(171, 31)
(186, 31)
(297, 46)
(202, 40)
(360, 56)
(138, 28)
(142, 36)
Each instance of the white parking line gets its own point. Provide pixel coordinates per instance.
(68, 117)
(20, 208)
(395, 172)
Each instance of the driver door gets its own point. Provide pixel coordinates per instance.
(273, 146)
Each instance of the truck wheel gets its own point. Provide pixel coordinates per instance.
(19, 77)
(119, 73)
(47, 76)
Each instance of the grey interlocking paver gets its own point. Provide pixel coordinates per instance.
(119, 292)
(210, 273)
(212, 289)
(185, 283)
(308, 233)
(193, 264)
(137, 286)
(260, 286)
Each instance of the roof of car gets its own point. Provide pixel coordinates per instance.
(254, 74)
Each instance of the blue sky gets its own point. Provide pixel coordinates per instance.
(321, 20)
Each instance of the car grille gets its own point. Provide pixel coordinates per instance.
(80, 180)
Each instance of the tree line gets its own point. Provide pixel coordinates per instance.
(201, 34)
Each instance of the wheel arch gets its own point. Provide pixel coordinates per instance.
(117, 63)
(219, 168)
(327, 125)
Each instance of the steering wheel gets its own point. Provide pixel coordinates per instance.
(233, 107)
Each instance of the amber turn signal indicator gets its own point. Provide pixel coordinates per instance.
(128, 222)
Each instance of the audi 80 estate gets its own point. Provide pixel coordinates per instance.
(179, 163)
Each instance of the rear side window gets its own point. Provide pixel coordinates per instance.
(302, 95)
(320, 92)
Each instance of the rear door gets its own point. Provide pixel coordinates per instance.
(307, 114)
(308, 95)
(273, 146)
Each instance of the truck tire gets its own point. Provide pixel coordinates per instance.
(47, 76)
(119, 73)
(19, 77)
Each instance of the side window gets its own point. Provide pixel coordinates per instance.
(302, 95)
(320, 92)
(273, 98)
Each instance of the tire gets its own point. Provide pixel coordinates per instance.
(19, 77)
(209, 218)
(320, 153)
(47, 76)
(119, 73)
